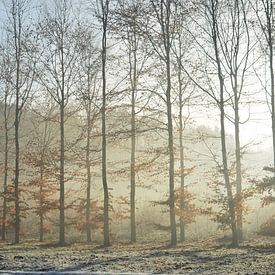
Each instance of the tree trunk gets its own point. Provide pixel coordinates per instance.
(171, 171)
(133, 79)
(41, 227)
(4, 217)
(167, 44)
(133, 172)
(17, 173)
(228, 185)
(103, 111)
(235, 241)
(164, 20)
(61, 181)
(238, 164)
(182, 177)
(88, 167)
(17, 43)
(271, 70)
(181, 147)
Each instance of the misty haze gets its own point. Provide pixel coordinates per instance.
(137, 136)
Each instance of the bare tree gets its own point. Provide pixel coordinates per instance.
(89, 67)
(234, 40)
(103, 9)
(57, 75)
(24, 62)
(6, 99)
(126, 26)
(211, 13)
(160, 33)
(264, 10)
(183, 102)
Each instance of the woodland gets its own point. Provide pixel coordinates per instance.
(137, 136)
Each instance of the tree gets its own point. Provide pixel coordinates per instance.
(212, 13)
(103, 16)
(88, 96)
(264, 10)
(184, 91)
(163, 13)
(6, 110)
(58, 76)
(23, 56)
(234, 42)
(126, 26)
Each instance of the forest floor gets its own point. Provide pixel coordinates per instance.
(256, 256)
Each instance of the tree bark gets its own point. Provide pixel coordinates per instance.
(41, 227)
(238, 163)
(182, 176)
(5, 185)
(105, 10)
(17, 171)
(133, 173)
(167, 44)
(17, 43)
(88, 167)
(271, 71)
(133, 78)
(61, 180)
(228, 185)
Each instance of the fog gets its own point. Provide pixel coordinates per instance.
(142, 132)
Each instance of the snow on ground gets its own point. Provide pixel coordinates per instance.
(256, 256)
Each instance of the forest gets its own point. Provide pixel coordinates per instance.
(137, 136)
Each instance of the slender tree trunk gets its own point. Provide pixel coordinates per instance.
(238, 163)
(17, 173)
(41, 227)
(182, 177)
(103, 111)
(271, 70)
(17, 43)
(164, 20)
(235, 241)
(269, 28)
(163, 14)
(167, 43)
(133, 172)
(4, 217)
(228, 185)
(88, 167)
(62, 146)
(133, 79)
(61, 180)
(171, 170)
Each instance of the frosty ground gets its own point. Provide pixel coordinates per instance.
(254, 256)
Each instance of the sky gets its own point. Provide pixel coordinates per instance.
(256, 130)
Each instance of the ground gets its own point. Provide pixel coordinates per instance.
(255, 256)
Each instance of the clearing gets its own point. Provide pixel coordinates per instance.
(254, 256)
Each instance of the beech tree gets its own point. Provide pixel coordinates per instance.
(103, 9)
(6, 112)
(127, 17)
(88, 95)
(211, 13)
(264, 10)
(23, 61)
(234, 40)
(184, 90)
(57, 75)
(163, 14)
